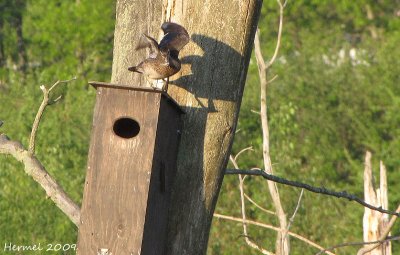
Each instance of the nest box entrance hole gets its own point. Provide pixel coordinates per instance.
(126, 127)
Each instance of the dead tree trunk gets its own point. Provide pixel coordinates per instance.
(375, 223)
(209, 87)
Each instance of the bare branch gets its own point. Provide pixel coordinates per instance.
(233, 161)
(243, 208)
(282, 244)
(258, 206)
(291, 219)
(245, 233)
(259, 224)
(45, 102)
(272, 79)
(279, 36)
(243, 150)
(379, 242)
(35, 169)
(320, 190)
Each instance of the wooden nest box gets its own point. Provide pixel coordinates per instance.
(131, 166)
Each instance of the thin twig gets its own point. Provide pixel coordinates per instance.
(291, 219)
(256, 112)
(379, 242)
(243, 208)
(259, 224)
(234, 162)
(320, 190)
(45, 102)
(272, 79)
(258, 206)
(35, 169)
(250, 148)
(279, 36)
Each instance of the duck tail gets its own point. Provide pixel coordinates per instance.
(134, 69)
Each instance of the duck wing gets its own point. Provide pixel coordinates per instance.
(148, 42)
(175, 37)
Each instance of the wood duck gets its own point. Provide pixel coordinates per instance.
(163, 60)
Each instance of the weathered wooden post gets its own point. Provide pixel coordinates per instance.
(132, 162)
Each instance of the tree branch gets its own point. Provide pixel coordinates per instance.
(32, 165)
(45, 102)
(379, 242)
(320, 190)
(35, 169)
(291, 219)
(258, 206)
(279, 36)
(282, 244)
(251, 222)
(243, 207)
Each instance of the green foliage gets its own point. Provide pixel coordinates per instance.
(325, 111)
(63, 39)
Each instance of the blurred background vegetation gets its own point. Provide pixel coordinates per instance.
(337, 95)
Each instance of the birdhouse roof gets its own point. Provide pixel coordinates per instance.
(97, 84)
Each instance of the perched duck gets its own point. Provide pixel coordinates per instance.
(163, 60)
